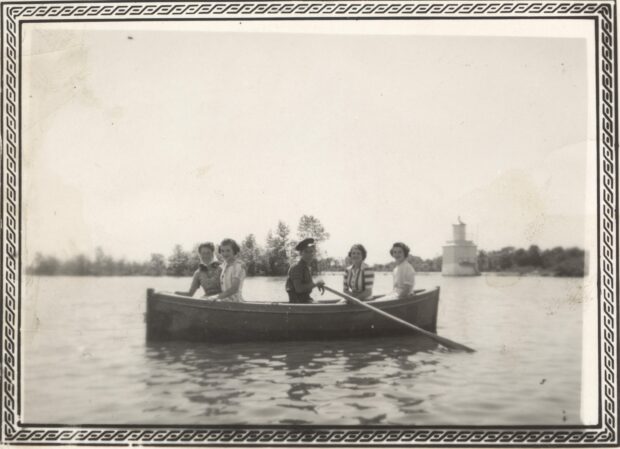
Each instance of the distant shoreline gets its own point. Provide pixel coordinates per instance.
(508, 261)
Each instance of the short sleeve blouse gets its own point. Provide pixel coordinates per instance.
(230, 271)
(404, 274)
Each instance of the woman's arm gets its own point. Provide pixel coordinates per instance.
(408, 281)
(237, 275)
(301, 287)
(236, 282)
(345, 287)
(405, 290)
(195, 286)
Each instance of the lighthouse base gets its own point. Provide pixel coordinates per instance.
(456, 269)
(460, 259)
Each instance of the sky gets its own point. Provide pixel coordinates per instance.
(138, 139)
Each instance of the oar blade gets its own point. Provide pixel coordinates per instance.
(453, 345)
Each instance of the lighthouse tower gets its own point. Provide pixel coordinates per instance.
(460, 256)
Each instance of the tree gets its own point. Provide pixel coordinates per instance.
(572, 263)
(311, 227)
(45, 265)
(521, 258)
(575, 266)
(278, 250)
(79, 265)
(103, 265)
(552, 257)
(416, 262)
(251, 255)
(483, 261)
(156, 266)
(506, 257)
(193, 260)
(533, 256)
(437, 263)
(178, 262)
(330, 264)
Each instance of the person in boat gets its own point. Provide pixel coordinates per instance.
(233, 273)
(208, 273)
(299, 283)
(403, 274)
(358, 277)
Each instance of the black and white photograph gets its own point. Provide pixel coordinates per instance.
(309, 223)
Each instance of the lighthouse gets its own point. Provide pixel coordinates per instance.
(460, 256)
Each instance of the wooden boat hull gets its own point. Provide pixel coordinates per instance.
(174, 317)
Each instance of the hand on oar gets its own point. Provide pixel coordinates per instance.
(441, 340)
(321, 286)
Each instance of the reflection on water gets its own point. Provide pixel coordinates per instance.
(300, 379)
(110, 375)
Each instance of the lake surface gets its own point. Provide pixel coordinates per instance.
(86, 360)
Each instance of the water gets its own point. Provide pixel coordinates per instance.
(86, 360)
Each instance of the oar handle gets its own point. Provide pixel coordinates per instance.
(442, 340)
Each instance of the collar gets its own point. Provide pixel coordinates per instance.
(352, 266)
(232, 262)
(205, 267)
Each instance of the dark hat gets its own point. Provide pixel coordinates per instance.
(305, 243)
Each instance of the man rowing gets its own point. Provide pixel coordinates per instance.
(299, 283)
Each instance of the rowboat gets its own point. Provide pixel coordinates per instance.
(170, 316)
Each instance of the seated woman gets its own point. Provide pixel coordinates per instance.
(233, 273)
(404, 274)
(208, 273)
(358, 277)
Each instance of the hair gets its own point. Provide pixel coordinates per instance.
(360, 248)
(231, 243)
(400, 245)
(209, 245)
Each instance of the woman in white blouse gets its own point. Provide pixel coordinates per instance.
(404, 274)
(233, 273)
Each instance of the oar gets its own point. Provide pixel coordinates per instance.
(442, 340)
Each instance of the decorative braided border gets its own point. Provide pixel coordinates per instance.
(13, 13)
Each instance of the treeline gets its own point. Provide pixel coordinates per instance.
(554, 262)
(275, 256)
(271, 259)
(100, 265)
